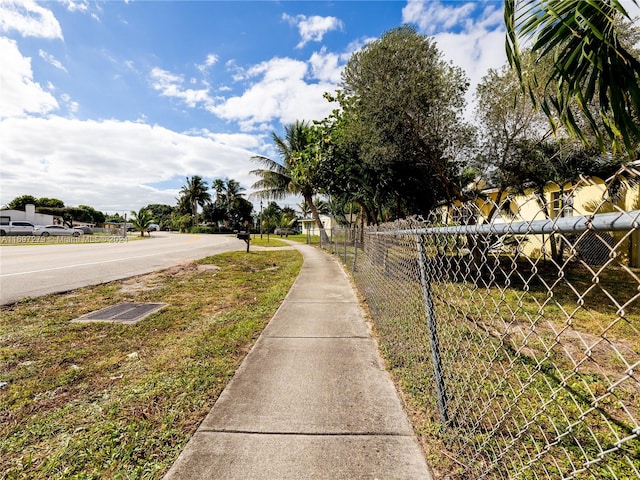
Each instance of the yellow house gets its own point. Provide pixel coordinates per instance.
(310, 227)
(586, 197)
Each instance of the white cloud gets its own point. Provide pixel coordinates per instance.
(433, 16)
(84, 6)
(77, 6)
(355, 46)
(29, 19)
(47, 57)
(210, 61)
(110, 165)
(72, 106)
(280, 90)
(20, 94)
(279, 69)
(171, 85)
(281, 93)
(239, 140)
(313, 29)
(326, 66)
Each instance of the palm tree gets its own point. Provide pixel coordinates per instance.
(218, 186)
(294, 175)
(195, 193)
(228, 195)
(592, 66)
(141, 220)
(232, 191)
(304, 209)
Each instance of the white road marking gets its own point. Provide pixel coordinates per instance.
(92, 263)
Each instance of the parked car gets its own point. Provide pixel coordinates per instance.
(56, 230)
(284, 231)
(86, 229)
(16, 228)
(153, 227)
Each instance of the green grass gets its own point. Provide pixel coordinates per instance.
(271, 241)
(302, 238)
(510, 357)
(114, 401)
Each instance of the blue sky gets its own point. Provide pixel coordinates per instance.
(112, 104)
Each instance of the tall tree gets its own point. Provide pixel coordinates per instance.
(18, 203)
(408, 103)
(49, 202)
(229, 206)
(506, 117)
(194, 193)
(592, 66)
(162, 214)
(90, 215)
(344, 174)
(270, 217)
(232, 192)
(241, 213)
(297, 174)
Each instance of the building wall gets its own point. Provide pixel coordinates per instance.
(29, 215)
(310, 227)
(587, 198)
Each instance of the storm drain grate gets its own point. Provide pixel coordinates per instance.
(128, 313)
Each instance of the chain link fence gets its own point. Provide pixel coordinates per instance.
(516, 340)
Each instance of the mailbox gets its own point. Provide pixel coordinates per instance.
(246, 236)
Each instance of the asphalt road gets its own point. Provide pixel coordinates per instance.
(35, 270)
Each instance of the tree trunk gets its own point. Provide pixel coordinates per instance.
(559, 244)
(547, 216)
(364, 209)
(496, 205)
(324, 238)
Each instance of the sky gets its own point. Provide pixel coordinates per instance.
(112, 104)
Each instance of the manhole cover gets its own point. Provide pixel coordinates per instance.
(128, 313)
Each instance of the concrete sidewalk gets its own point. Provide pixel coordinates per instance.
(311, 400)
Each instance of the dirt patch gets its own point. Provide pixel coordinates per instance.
(152, 281)
(588, 353)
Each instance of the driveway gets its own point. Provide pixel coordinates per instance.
(34, 270)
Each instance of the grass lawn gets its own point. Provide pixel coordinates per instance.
(302, 238)
(106, 400)
(536, 373)
(267, 242)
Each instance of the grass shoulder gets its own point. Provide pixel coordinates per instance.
(106, 400)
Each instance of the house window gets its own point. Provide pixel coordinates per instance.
(561, 204)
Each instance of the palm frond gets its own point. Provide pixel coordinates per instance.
(591, 66)
(269, 164)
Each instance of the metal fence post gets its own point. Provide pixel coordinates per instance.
(355, 248)
(331, 239)
(345, 245)
(433, 332)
